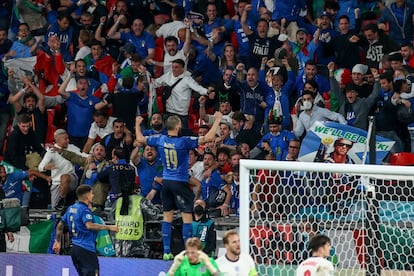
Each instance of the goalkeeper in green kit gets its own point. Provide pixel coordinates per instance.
(193, 261)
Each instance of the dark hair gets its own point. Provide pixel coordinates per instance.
(308, 92)
(387, 76)
(63, 15)
(344, 16)
(80, 60)
(224, 150)
(30, 95)
(128, 82)
(179, 12)
(169, 39)
(318, 241)
(179, 61)
(397, 56)
(262, 20)
(83, 190)
(118, 121)
(24, 24)
(120, 153)
(100, 113)
(23, 119)
(239, 116)
(136, 58)
(310, 62)
(397, 85)
(371, 26)
(313, 83)
(329, 4)
(409, 45)
(95, 42)
(82, 78)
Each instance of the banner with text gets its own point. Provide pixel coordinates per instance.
(327, 141)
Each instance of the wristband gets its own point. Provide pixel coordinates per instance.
(101, 23)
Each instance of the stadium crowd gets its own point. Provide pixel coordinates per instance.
(76, 74)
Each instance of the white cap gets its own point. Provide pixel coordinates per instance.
(360, 68)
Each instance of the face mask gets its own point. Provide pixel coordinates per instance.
(306, 105)
(199, 210)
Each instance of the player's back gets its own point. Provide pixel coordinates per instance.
(315, 266)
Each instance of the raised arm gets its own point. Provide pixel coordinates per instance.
(112, 33)
(243, 20)
(16, 100)
(202, 111)
(40, 97)
(211, 134)
(138, 133)
(62, 89)
(187, 41)
(98, 33)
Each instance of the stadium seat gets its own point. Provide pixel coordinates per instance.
(402, 159)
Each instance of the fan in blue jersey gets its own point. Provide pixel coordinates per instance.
(83, 231)
(174, 152)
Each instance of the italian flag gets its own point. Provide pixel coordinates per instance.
(34, 238)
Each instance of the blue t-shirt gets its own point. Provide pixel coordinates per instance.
(76, 218)
(146, 173)
(80, 114)
(142, 43)
(214, 182)
(174, 153)
(13, 186)
(65, 37)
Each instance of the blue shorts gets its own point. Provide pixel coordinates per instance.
(177, 195)
(85, 261)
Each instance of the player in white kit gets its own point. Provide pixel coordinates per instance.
(235, 263)
(317, 265)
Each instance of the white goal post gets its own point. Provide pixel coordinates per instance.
(366, 175)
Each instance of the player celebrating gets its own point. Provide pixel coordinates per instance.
(176, 193)
(83, 231)
(317, 265)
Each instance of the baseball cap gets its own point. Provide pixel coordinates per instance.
(327, 14)
(302, 30)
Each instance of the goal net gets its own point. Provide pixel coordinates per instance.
(366, 210)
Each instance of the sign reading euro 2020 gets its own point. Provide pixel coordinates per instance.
(326, 141)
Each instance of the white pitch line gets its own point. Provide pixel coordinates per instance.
(65, 271)
(9, 270)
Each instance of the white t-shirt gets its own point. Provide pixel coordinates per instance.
(315, 266)
(197, 170)
(170, 29)
(96, 131)
(168, 59)
(244, 266)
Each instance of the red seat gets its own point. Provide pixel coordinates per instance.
(402, 159)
